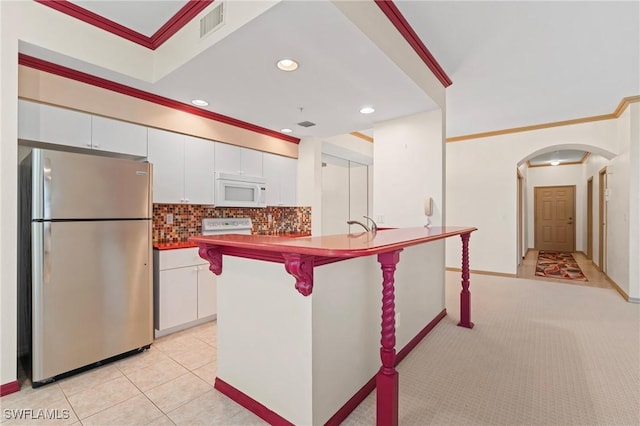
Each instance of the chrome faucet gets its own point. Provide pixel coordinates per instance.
(374, 227)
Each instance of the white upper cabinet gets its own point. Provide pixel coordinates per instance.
(166, 153)
(118, 136)
(199, 163)
(282, 175)
(44, 123)
(238, 160)
(251, 162)
(61, 126)
(182, 168)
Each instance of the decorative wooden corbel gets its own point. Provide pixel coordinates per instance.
(301, 267)
(213, 254)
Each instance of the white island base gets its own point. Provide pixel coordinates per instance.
(301, 359)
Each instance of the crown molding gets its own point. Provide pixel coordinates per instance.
(622, 106)
(189, 11)
(392, 12)
(49, 67)
(362, 136)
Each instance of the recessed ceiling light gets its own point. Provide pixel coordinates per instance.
(199, 102)
(285, 130)
(555, 162)
(287, 65)
(366, 110)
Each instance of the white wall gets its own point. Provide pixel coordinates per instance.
(570, 175)
(8, 192)
(408, 166)
(482, 186)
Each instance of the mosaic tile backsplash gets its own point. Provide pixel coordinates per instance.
(187, 220)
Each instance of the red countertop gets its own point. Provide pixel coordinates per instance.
(175, 245)
(341, 245)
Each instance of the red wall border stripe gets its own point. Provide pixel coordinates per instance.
(365, 390)
(398, 20)
(275, 419)
(11, 387)
(50, 67)
(251, 404)
(189, 11)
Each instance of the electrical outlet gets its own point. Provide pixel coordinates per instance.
(169, 219)
(269, 218)
(380, 218)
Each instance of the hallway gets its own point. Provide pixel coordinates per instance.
(527, 269)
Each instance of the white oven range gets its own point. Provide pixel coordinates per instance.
(220, 226)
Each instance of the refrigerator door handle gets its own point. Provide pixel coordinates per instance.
(46, 275)
(46, 171)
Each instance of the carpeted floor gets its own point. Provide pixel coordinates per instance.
(558, 265)
(539, 354)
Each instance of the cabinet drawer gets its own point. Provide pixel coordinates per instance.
(171, 259)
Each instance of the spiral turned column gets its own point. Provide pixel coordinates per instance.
(465, 295)
(387, 378)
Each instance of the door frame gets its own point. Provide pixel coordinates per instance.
(521, 252)
(602, 220)
(590, 218)
(535, 213)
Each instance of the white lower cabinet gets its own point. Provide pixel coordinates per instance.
(184, 290)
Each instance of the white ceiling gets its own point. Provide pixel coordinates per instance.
(512, 63)
(563, 156)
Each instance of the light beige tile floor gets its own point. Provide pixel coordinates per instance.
(527, 269)
(169, 384)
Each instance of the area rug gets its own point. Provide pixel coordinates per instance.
(558, 265)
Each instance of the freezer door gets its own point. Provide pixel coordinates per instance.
(81, 186)
(92, 292)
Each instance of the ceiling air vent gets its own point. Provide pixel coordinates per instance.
(212, 20)
(306, 124)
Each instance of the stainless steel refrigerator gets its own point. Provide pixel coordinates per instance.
(85, 259)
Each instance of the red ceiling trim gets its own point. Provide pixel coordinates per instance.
(398, 20)
(39, 64)
(189, 11)
(179, 20)
(101, 22)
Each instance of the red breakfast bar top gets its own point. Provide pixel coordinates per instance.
(341, 245)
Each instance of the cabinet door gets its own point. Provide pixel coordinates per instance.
(271, 172)
(44, 123)
(198, 170)
(288, 181)
(118, 136)
(207, 293)
(250, 162)
(227, 158)
(166, 153)
(178, 297)
(282, 175)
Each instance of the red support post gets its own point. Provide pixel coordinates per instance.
(465, 295)
(387, 379)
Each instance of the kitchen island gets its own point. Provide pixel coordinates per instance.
(309, 360)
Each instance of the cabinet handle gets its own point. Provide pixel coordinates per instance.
(89, 145)
(186, 200)
(96, 145)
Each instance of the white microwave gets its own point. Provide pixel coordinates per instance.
(239, 190)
